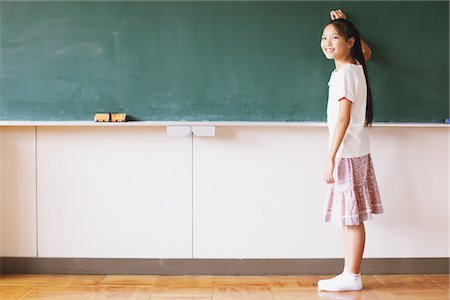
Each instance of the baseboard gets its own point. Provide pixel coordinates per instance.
(370, 266)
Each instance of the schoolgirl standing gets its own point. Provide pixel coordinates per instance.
(353, 194)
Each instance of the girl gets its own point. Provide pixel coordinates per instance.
(353, 194)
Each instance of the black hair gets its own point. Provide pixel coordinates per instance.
(348, 30)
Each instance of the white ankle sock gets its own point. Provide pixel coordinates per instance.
(345, 281)
(347, 271)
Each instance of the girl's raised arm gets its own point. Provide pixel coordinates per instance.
(367, 52)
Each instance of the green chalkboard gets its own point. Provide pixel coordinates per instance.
(214, 60)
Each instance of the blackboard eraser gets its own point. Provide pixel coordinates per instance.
(102, 117)
(447, 121)
(118, 117)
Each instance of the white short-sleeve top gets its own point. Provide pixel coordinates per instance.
(349, 82)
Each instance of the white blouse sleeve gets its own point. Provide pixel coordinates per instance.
(346, 85)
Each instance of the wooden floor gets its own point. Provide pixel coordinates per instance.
(386, 287)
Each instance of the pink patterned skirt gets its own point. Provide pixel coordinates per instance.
(354, 195)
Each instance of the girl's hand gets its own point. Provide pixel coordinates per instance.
(328, 174)
(337, 14)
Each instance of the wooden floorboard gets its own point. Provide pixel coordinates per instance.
(153, 287)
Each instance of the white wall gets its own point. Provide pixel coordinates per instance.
(248, 192)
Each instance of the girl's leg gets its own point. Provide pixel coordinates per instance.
(355, 238)
(346, 248)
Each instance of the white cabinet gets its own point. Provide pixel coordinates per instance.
(247, 192)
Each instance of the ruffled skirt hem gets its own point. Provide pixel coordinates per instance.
(354, 196)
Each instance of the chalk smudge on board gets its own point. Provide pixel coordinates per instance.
(87, 48)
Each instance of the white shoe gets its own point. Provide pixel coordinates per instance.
(342, 282)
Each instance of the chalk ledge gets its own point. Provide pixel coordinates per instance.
(218, 124)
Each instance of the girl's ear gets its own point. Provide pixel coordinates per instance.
(351, 41)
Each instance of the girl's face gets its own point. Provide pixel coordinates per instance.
(334, 45)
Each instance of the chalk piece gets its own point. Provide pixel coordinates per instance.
(118, 117)
(102, 117)
(178, 130)
(204, 130)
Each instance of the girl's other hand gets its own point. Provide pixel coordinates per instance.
(337, 14)
(328, 174)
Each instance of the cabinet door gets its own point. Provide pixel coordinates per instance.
(18, 191)
(258, 193)
(114, 192)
